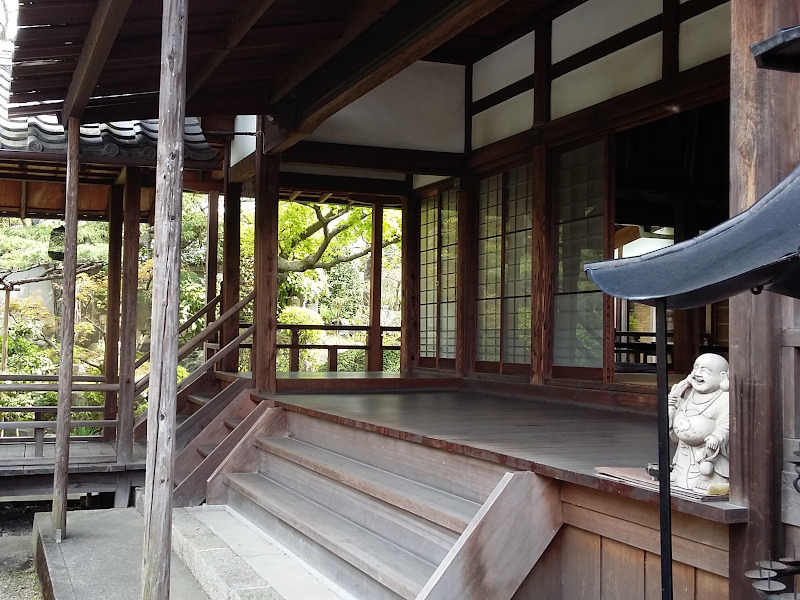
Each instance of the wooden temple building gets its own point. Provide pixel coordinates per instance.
(522, 139)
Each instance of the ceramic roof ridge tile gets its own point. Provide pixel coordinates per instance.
(132, 139)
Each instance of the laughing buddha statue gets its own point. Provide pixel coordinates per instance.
(699, 425)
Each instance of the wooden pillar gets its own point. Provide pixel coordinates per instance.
(466, 278)
(231, 271)
(6, 316)
(67, 333)
(265, 316)
(763, 149)
(157, 547)
(375, 346)
(130, 300)
(409, 331)
(111, 360)
(541, 272)
(212, 252)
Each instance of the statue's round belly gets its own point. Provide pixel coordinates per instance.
(692, 430)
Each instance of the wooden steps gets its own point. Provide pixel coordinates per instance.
(386, 563)
(206, 437)
(386, 518)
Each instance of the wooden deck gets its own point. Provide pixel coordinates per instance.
(93, 467)
(559, 440)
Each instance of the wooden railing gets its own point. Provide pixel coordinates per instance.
(49, 383)
(295, 346)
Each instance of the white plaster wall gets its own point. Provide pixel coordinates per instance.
(506, 119)
(597, 20)
(705, 37)
(421, 181)
(421, 108)
(619, 72)
(504, 67)
(243, 146)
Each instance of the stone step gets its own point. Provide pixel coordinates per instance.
(364, 563)
(232, 560)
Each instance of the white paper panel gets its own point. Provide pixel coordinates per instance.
(620, 72)
(504, 120)
(420, 108)
(504, 67)
(705, 37)
(597, 20)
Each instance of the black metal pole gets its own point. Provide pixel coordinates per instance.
(663, 449)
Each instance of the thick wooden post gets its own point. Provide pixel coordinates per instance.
(59, 514)
(231, 271)
(409, 332)
(130, 299)
(265, 316)
(466, 277)
(375, 339)
(212, 252)
(541, 272)
(157, 548)
(111, 360)
(6, 316)
(764, 149)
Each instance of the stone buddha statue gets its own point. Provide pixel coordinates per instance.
(699, 425)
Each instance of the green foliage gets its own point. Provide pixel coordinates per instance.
(297, 315)
(345, 298)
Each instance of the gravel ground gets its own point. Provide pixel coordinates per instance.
(17, 578)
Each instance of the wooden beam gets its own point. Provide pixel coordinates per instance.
(67, 333)
(409, 31)
(243, 21)
(763, 151)
(106, 23)
(111, 359)
(306, 64)
(130, 300)
(162, 400)
(266, 270)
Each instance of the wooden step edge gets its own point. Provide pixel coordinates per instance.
(338, 535)
(232, 423)
(455, 518)
(200, 399)
(207, 449)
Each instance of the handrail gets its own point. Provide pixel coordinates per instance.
(201, 337)
(28, 377)
(52, 387)
(189, 322)
(217, 356)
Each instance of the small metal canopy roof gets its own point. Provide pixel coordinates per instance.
(757, 249)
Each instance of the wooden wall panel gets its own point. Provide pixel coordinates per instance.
(682, 579)
(10, 193)
(544, 580)
(713, 587)
(622, 576)
(580, 564)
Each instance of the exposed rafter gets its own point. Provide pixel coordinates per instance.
(409, 31)
(106, 23)
(243, 21)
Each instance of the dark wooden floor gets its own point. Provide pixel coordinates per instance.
(560, 440)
